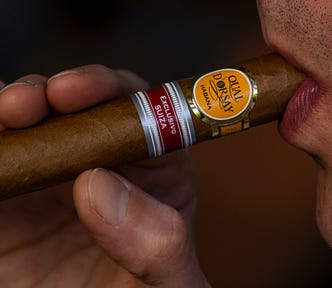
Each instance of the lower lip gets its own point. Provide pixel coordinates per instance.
(299, 107)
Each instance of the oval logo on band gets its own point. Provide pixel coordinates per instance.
(223, 94)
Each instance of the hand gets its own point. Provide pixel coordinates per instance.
(301, 32)
(43, 242)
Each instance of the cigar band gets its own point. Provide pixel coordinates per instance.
(224, 99)
(165, 118)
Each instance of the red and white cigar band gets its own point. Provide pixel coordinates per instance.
(165, 118)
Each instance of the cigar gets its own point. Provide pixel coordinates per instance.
(146, 124)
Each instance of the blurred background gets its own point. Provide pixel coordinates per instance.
(256, 221)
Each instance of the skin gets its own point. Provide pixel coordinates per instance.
(302, 32)
(55, 240)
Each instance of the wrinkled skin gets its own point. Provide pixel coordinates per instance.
(56, 238)
(302, 32)
(51, 239)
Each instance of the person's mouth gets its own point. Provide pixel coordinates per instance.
(299, 107)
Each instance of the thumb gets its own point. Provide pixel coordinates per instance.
(146, 237)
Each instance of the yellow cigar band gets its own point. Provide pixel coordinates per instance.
(224, 99)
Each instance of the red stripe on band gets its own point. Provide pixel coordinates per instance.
(166, 118)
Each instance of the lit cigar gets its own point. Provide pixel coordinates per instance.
(146, 124)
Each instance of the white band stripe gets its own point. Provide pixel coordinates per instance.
(150, 125)
(183, 114)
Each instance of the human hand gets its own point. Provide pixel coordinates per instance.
(44, 243)
(301, 32)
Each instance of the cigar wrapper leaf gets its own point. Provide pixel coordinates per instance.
(114, 133)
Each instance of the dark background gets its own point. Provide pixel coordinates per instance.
(256, 222)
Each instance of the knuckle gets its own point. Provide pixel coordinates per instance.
(168, 247)
(172, 241)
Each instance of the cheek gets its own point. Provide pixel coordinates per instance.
(301, 31)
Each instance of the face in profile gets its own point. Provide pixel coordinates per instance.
(302, 32)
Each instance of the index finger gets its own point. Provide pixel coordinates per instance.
(79, 88)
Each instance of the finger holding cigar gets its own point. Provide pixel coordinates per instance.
(98, 119)
(25, 103)
(173, 116)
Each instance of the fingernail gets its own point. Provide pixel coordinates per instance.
(108, 196)
(20, 83)
(77, 71)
